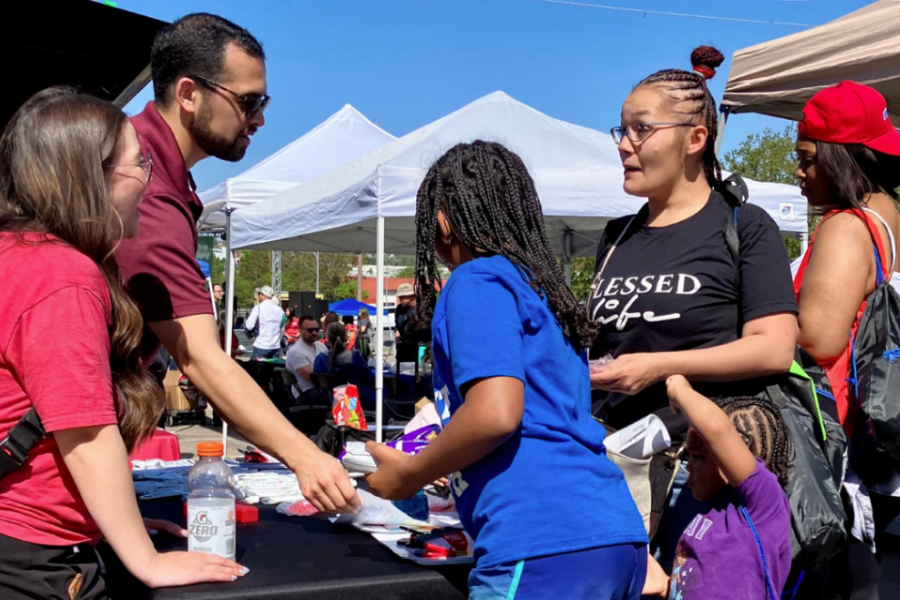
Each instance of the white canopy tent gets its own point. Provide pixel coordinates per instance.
(368, 204)
(343, 136)
(577, 171)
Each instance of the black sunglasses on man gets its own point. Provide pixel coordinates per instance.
(251, 103)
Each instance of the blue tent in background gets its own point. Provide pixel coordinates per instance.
(350, 307)
(204, 267)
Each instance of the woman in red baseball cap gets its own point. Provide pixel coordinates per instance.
(849, 155)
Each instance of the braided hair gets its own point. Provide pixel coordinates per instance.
(490, 200)
(687, 93)
(760, 425)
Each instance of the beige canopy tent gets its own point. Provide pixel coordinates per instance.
(778, 77)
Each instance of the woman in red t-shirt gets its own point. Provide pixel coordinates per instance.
(292, 329)
(71, 177)
(849, 171)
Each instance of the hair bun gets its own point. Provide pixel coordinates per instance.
(705, 60)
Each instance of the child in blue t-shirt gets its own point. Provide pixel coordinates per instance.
(738, 458)
(550, 513)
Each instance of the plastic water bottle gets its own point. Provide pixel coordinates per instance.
(211, 518)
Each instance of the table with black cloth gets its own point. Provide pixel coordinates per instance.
(410, 387)
(299, 557)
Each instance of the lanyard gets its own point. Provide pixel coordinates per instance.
(762, 555)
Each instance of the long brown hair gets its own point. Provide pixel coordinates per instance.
(337, 336)
(53, 157)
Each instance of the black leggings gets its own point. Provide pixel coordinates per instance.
(32, 571)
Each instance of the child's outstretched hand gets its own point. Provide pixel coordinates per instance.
(657, 582)
(676, 386)
(392, 480)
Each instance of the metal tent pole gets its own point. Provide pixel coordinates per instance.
(379, 332)
(723, 121)
(229, 306)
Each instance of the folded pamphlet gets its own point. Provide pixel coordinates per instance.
(641, 439)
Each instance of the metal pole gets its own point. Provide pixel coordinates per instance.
(359, 266)
(276, 274)
(804, 243)
(379, 331)
(567, 257)
(317, 274)
(229, 306)
(723, 121)
(212, 297)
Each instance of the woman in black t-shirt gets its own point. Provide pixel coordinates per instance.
(671, 298)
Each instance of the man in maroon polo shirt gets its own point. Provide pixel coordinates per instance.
(209, 82)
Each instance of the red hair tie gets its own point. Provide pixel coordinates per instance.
(705, 71)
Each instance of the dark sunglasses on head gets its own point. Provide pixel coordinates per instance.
(251, 103)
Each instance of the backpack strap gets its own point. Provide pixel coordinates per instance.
(877, 246)
(890, 237)
(733, 242)
(23, 436)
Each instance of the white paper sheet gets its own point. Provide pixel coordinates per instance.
(376, 511)
(641, 439)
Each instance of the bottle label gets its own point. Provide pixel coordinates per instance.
(211, 530)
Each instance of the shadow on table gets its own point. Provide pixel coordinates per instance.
(291, 557)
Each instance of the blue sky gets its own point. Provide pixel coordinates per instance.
(405, 63)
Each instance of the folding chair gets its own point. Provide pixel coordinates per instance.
(306, 411)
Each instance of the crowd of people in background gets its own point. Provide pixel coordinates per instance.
(98, 213)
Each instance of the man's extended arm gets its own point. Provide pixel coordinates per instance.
(193, 342)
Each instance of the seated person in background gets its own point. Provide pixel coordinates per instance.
(302, 355)
(352, 332)
(292, 329)
(235, 344)
(349, 365)
(738, 456)
(327, 319)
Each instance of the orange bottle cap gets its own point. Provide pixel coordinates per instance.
(210, 449)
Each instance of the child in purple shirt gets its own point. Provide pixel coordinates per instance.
(737, 456)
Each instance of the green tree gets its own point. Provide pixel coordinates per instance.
(582, 277)
(347, 289)
(391, 260)
(298, 272)
(254, 270)
(217, 269)
(768, 156)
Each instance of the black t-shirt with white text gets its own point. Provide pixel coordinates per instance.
(676, 288)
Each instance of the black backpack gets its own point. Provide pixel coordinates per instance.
(816, 473)
(875, 383)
